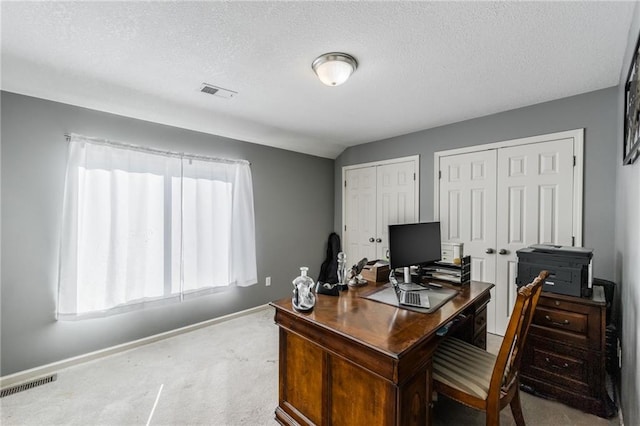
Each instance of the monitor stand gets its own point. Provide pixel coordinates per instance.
(407, 284)
(407, 275)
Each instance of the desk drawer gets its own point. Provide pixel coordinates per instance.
(561, 320)
(480, 329)
(563, 364)
(480, 340)
(480, 322)
(578, 323)
(558, 364)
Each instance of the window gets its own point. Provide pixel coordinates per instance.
(146, 226)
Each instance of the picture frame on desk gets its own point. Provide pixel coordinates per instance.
(631, 136)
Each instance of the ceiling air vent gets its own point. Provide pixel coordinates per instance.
(217, 91)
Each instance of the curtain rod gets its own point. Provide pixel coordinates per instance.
(68, 137)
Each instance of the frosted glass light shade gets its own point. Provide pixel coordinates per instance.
(333, 69)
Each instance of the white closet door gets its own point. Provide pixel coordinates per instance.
(360, 214)
(376, 196)
(535, 206)
(396, 201)
(538, 200)
(468, 213)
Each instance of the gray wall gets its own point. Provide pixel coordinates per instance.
(595, 111)
(290, 230)
(627, 251)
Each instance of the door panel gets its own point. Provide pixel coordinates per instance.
(396, 191)
(467, 212)
(534, 206)
(454, 201)
(360, 214)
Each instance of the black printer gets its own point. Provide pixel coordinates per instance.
(570, 268)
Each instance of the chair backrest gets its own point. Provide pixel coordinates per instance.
(508, 360)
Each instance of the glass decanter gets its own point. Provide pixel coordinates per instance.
(342, 271)
(303, 297)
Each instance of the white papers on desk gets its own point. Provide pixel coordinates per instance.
(454, 278)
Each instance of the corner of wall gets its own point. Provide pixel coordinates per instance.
(627, 252)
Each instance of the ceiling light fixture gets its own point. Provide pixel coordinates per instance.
(334, 68)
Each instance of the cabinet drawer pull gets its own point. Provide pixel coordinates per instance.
(548, 318)
(565, 365)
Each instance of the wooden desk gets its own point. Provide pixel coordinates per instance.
(354, 361)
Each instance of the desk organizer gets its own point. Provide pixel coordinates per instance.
(450, 272)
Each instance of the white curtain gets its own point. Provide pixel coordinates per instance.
(146, 226)
(217, 222)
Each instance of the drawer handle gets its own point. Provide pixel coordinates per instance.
(548, 318)
(565, 365)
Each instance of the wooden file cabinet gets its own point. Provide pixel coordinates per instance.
(564, 356)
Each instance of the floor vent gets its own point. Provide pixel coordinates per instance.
(28, 385)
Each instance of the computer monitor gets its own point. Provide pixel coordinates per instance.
(414, 244)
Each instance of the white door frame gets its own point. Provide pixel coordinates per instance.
(578, 170)
(416, 161)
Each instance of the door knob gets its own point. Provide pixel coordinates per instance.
(503, 251)
(371, 239)
(378, 240)
(489, 251)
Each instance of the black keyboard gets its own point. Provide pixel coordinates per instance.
(412, 298)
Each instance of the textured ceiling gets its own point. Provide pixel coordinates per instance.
(421, 64)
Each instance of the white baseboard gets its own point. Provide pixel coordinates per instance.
(33, 373)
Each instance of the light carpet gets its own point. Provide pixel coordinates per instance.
(224, 374)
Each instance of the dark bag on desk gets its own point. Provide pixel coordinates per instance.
(329, 268)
